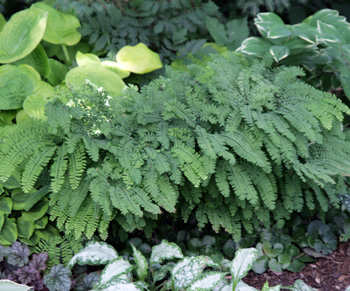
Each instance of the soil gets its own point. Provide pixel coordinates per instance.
(331, 273)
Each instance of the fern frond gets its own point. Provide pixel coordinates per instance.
(76, 165)
(36, 197)
(58, 169)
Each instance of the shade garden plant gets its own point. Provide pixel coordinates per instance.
(243, 144)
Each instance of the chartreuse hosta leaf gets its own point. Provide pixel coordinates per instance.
(97, 75)
(141, 264)
(87, 59)
(113, 66)
(189, 270)
(21, 34)
(242, 263)
(95, 253)
(61, 28)
(138, 59)
(16, 83)
(8, 285)
(165, 251)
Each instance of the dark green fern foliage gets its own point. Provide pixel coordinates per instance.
(236, 143)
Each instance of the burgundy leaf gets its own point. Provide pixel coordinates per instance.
(38, 261)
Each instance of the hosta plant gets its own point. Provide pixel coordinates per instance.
(161, 272)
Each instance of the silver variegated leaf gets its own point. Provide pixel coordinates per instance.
(141, 264)
(165, 251)
(115, 269)
(207, 282)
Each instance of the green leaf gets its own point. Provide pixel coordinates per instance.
(279, 52)
(37, 211)
(296, 266)
(2, 22)
(94, 253)
(6, 205)
(21, 35)
(113, 66)
(217, 30)
(25, 226)
(141, 264)
(138, 59)
(8, 233)
(87, 59)
(16, 83)
(41, 223)
(265, 21)
(8, 285)
(275, 266)
(255, 46)
(206, 282)
(61, 28)
(242, 263)
(261, 265)
(34, 106)
(58, 72)
(165, 251)
(97, 75)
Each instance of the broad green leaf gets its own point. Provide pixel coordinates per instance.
(2, 219)
(165, 251)
(21, 34)
(37, 211)
(7, 116)
(113, 66)
(87, 59)
(141, 264)
(16, 83)
(275, 266)
(38, 60)
(207, 282)
(2, 22)
(138, 59)
(217, 30)
(6, 205)
(95, 253)
(97, 75)
(8, 285)
(58, 72)
(61, 28)
(329, 33)
(265, 21)
(255, 46)
(25, 226)
(44, 89)
(19, 198)
(8, 233)
(41, 223)
(307, 33)
(116, 268)
(242, 263)
(22, 117)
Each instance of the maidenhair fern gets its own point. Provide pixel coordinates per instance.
(236, 143)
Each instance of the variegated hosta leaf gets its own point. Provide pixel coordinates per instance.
(207, 282)
(8, 285)
(114, 269)
(95, 253)
(141, 264)
(241, 286)
(165, 251)
(242, 263)
(22, 34)
(188, 270)
(61, 28)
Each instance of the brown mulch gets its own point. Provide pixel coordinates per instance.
(331, 273)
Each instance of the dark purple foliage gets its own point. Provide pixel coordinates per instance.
(38, 261)
(26, 274)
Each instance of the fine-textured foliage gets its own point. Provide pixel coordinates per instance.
(233, 140)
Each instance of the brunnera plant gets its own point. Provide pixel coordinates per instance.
(237, 144)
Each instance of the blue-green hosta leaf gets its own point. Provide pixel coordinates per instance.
(6, 205)
(61, 28)
(242, 263)
(188, 270)
(16, 83)
(25, 227)
(8, 233)
(58, 279)
(265, 21)
(207, 282)
(38, 60)
(21, 35)
(254, 46)
(141, 264)
(113, 66)
(138, 59)
(114, 269)
(307, 33)
(8, 285)
(95, 253)
(87, 59)
(97, 75)
(165, 251)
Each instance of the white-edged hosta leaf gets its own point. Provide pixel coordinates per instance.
(61, 28)
(114, 269)
(279, 52)
(98, 75)
(94, 253)
(138, 59)
(141, 264)
(207, 282)
(242, 263)
(241, 286)
(189, 270)
(87, 59)
(165, 251)
(9, 285)
(254, 46)
(21, 34)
